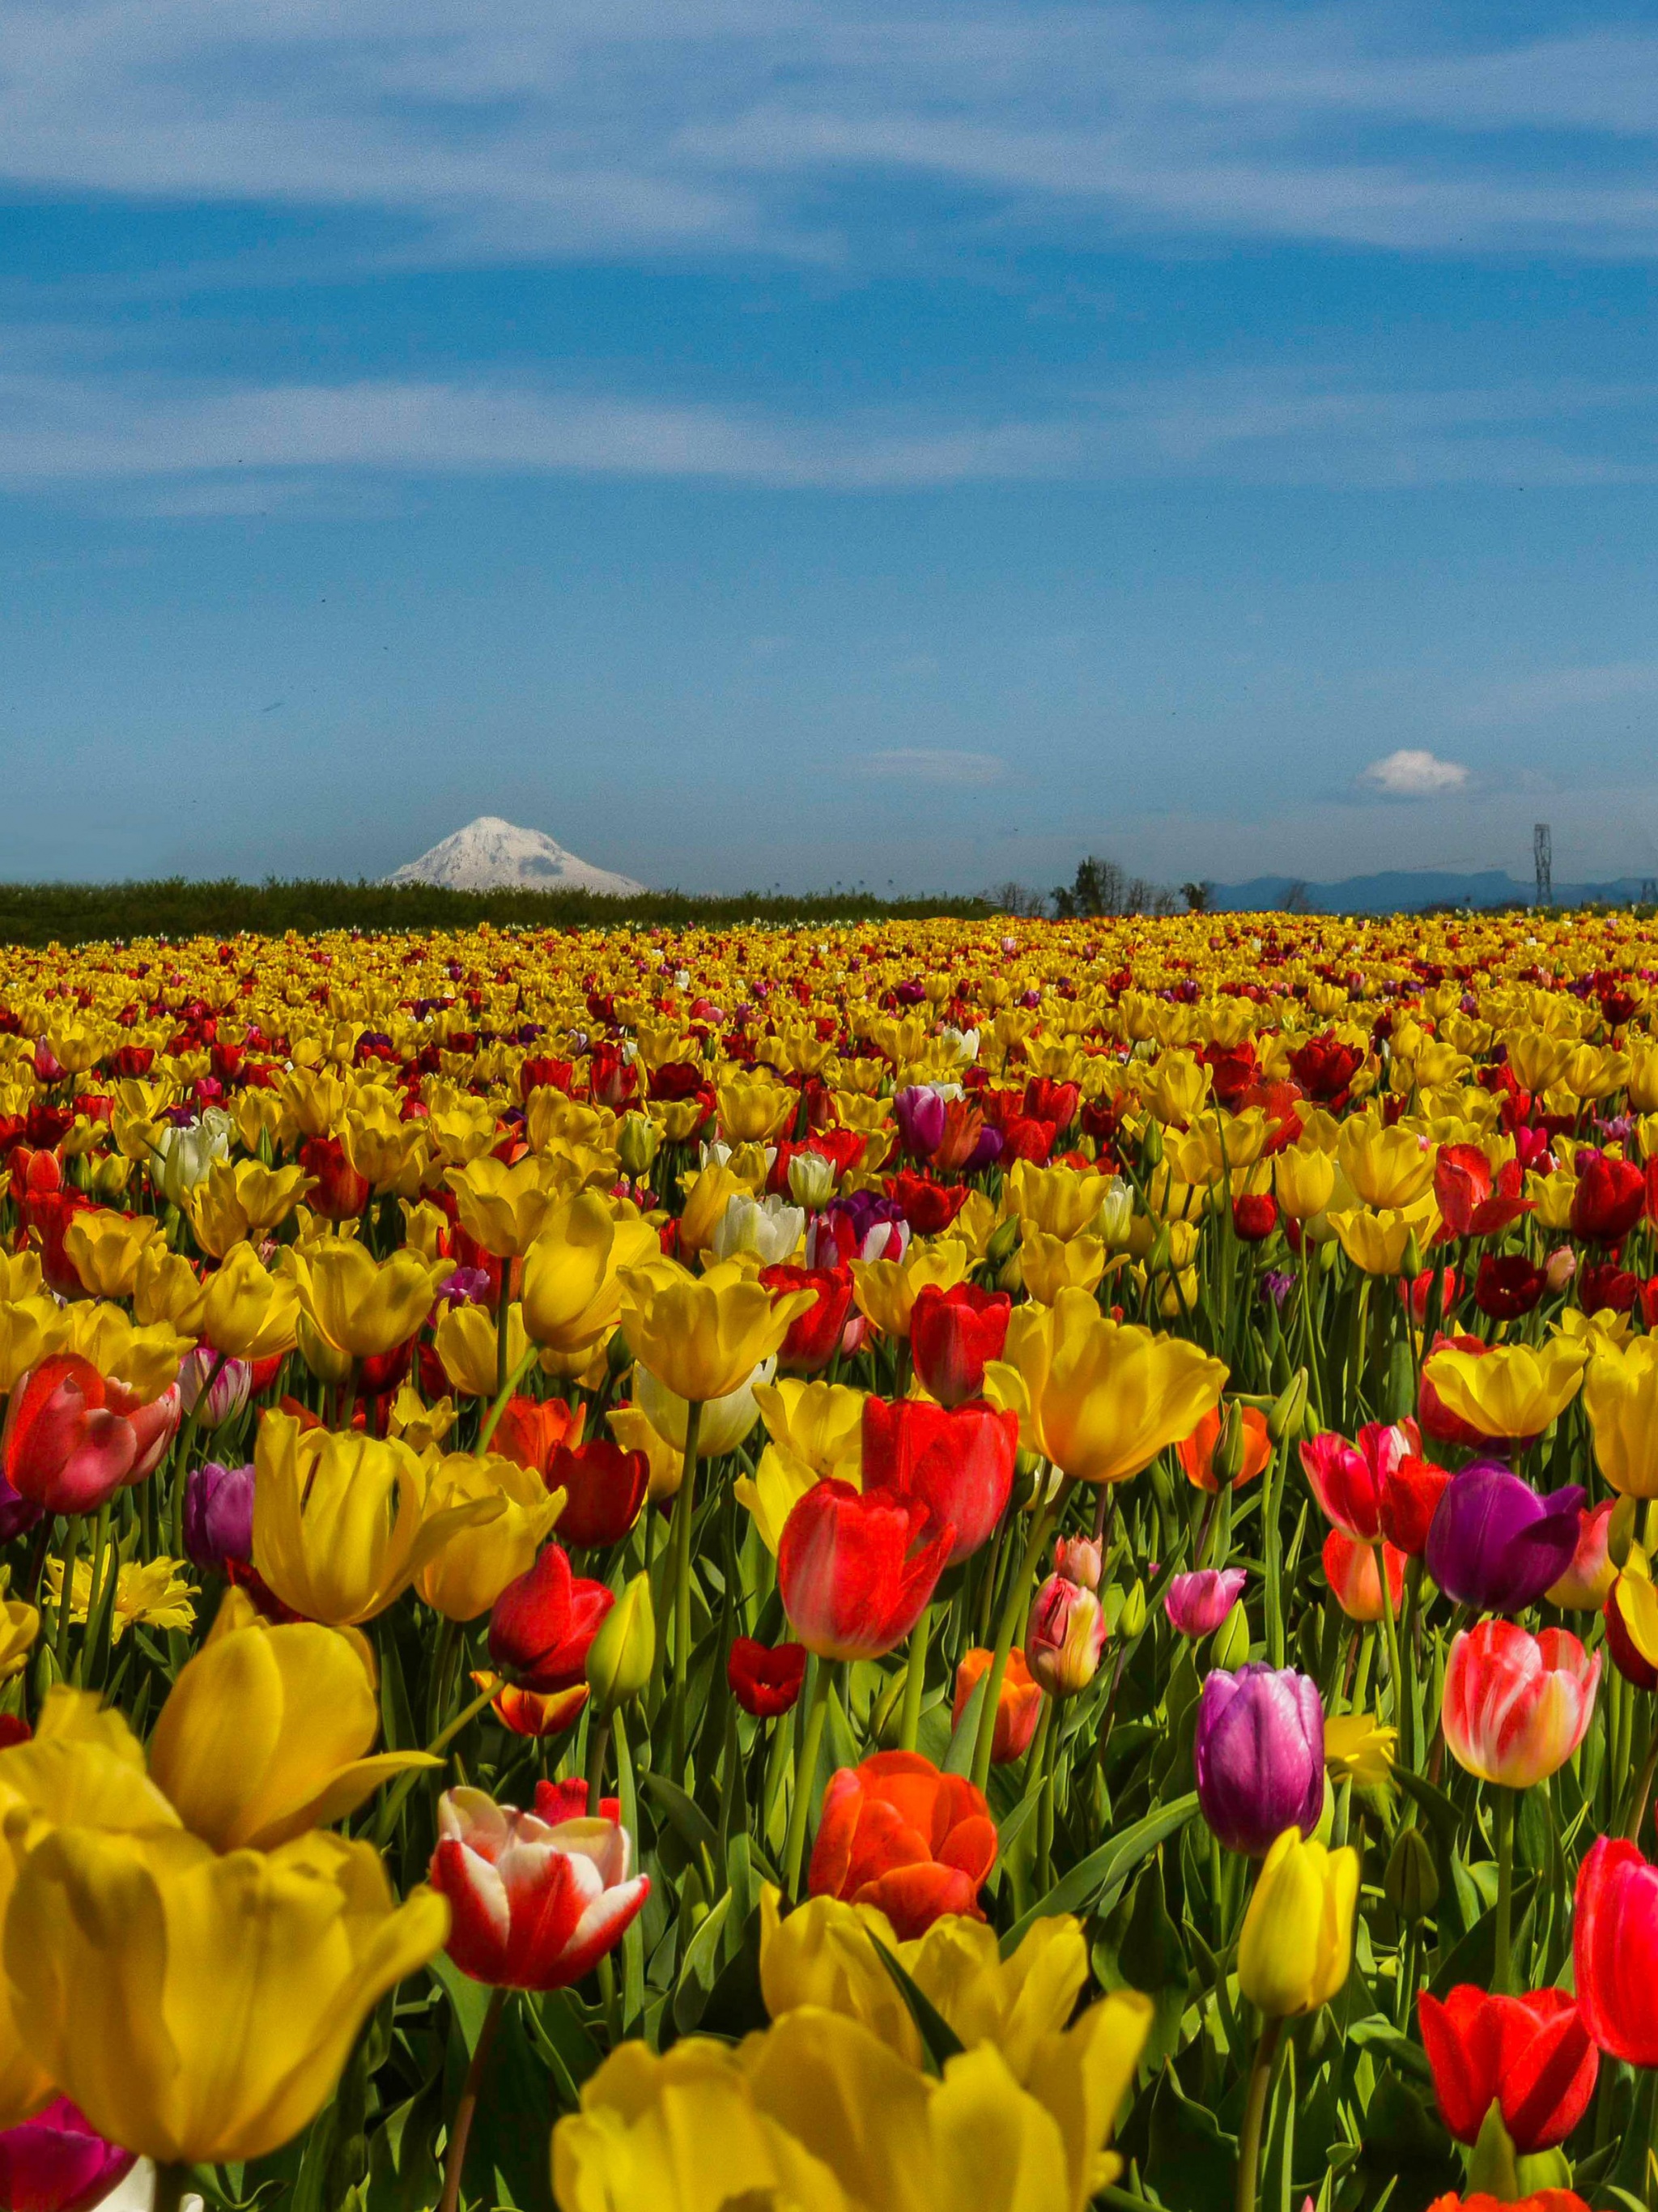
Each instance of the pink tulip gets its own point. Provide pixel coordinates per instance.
(1196, 1604)
(1516, 1705)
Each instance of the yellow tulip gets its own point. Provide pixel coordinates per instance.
(83, 1766)
(1551, 1198)
(20, 1276)
(104, 1248)
(1298, 1939)
(823, 1954)
(469, 1574)
(467, 1340)
(502, 1208)
(343, 1523)
(385, 1150)
(707, 1196)
(1063, 1201)
(1050, 1265)
(572, 1288)
(822, 1422)
(1620, 1396)
(360, 1305)
(29, 1329)
(243, 1200)
(1358, 1748)
(417, 1423)
(755, 1111)
(1389, 1168)
(20, 1627)
(1305, 1180)
(1176, 1088)
(143, 1360)
(1105, 1397)
(247, 1311)
(886, 1290)
(725, 1422)
(168, 1289)
(1376, 1243)
(198, 2008)
(771, 1493)
(702, 1337)
(1514, 1390)
(148, 1592)
(264, 1735)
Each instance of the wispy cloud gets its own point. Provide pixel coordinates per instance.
(713, 124)
(248, 445)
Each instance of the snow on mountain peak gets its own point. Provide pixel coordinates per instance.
(490, 855)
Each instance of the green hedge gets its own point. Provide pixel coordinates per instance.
(72, 914)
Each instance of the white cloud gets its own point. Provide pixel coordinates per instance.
(928, 764)
(1412, 772)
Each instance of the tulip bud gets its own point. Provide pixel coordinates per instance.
(1011, 1277)
(1002, 1242)
(1559, 1267)
(1132, 1620)
(1410, 1265)
(1411, 1880)
(1116, 1214)
(1230, 1647)
(811, 1180)
(1288, 1418)
(619, 1657)
(638, 1141)
(1079, 1559)
(1156, 1259)
(1620, 1533)
(1064, 1638)
(1152, 1144)
(1228, 1458)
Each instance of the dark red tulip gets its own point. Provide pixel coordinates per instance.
(765, 1679)
(604, 1488)
(1609, 1200)
(952, 1334)
(815, 1335)
(1508, 1287)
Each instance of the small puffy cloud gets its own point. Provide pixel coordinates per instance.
(1414, 773)
(927, 764)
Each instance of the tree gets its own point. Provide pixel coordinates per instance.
(1099, 887)
(1198, 896)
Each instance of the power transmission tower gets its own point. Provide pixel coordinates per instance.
(1542, 851)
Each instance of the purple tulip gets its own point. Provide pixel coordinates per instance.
(1259, 1756)
(1494, 1543)
(1198, 1603)
(985, 1152)
(17, 1514)
(921, 1112)
(55, 2163)
(219, 1515)
(466, 1286)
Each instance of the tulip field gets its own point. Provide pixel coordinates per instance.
(991, 1565)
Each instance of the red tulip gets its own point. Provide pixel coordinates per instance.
(530, 1429)
(765, 1679)
(1532, 2055)
(71, 1439)
(1606, 1287)
(952, 1334)
(1609, 1200)
(1508, 1287)
(852, 1581)
(604, 1488)
(1324, 1068)
(1065, 1635)
(898, 1834)
(1615, 1951)
(926, 1205)
(1473, 1201)
(542, 1624)
(1348, 1480)
(956, 1461)
(1254, 1216)
(532, 1906)
(814, 1336)
(1541, 2200)
(1410, 1491)
(338, 1191)
(1516, 1705)
(1351, 1568)
(1018, 1707)
(567, 1801)
(538, 1713)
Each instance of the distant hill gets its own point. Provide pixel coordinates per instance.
(1407, 891)
(491, 855)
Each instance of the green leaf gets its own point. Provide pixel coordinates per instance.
(687, 1819)
(958, 1759)
(469, 2000)
(1105, 1870)
(701, 1967)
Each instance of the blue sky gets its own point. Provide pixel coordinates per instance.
(809, 442)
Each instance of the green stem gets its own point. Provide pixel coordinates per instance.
(1502, 1976)
(398, 1794)
(65, 1597)
(455, 2156)
(684, 1511)
(599, 1742)
(915, 1680)
(1255, 2115)
(806, 1777)
(1642, 1791)
(171, 2183)
(1043, 1521)
(1390, 1635)
(504, 1329)
(502, 1395)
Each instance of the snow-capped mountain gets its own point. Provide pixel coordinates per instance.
(490, 855)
